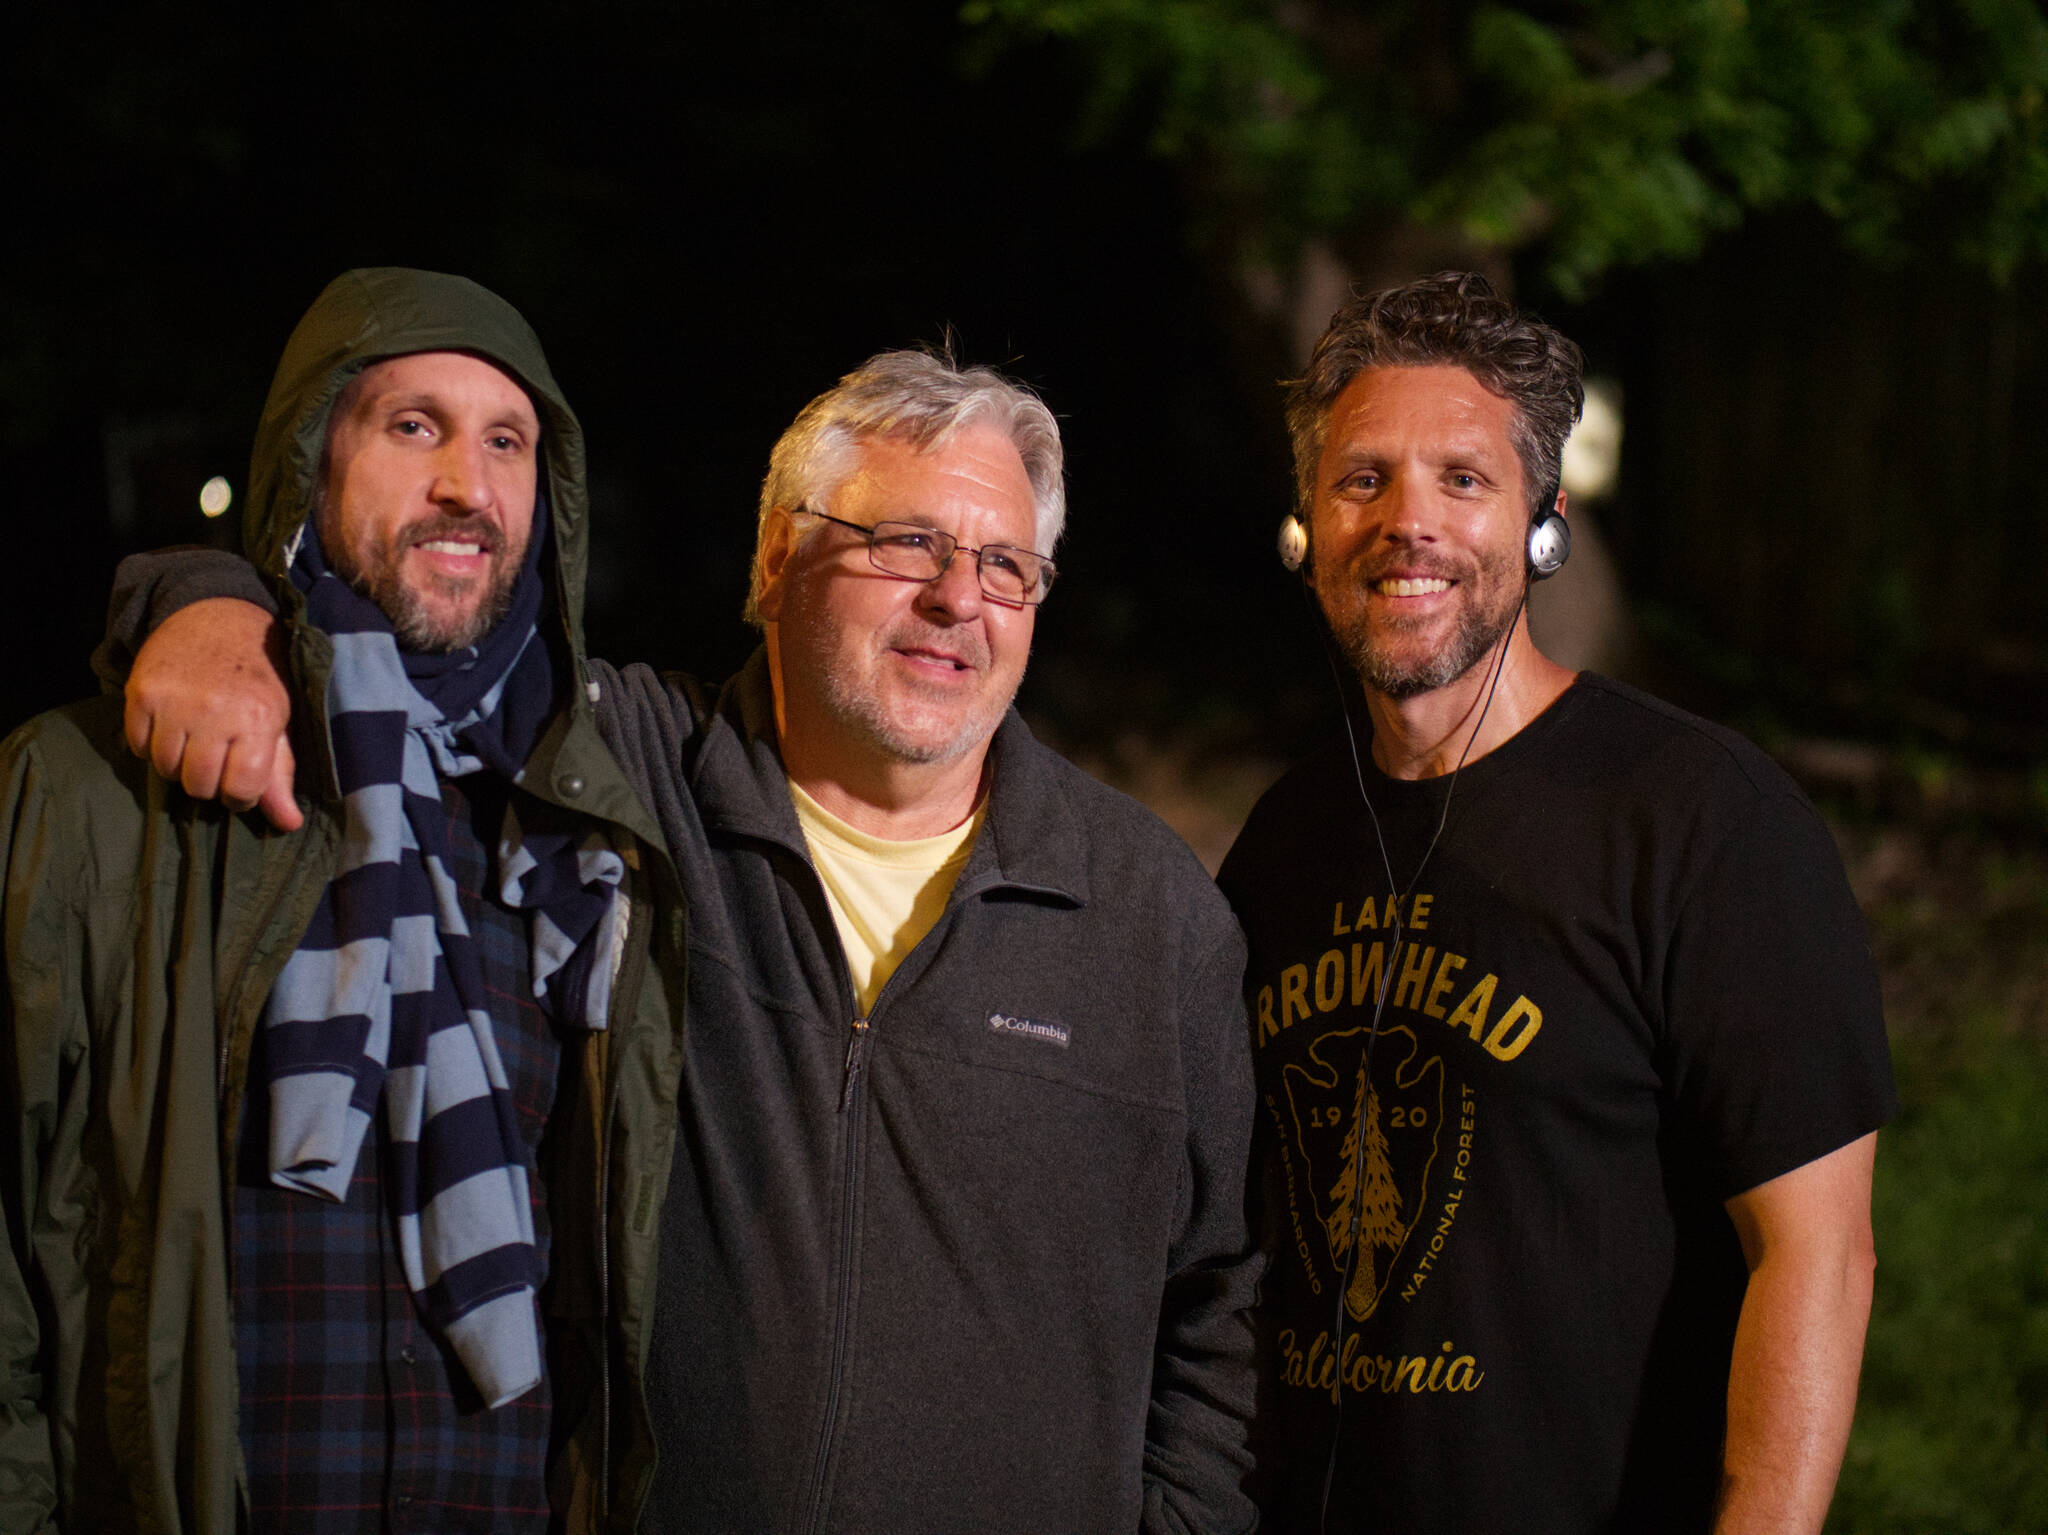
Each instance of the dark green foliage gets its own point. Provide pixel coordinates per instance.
(1593, 135)
(1952, 1422)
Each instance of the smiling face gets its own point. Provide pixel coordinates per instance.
(871, 668)
(428, 500)
(1418, 527)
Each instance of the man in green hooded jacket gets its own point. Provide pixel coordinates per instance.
(326, 1146)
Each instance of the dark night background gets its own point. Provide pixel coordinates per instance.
(1827, 522)
(1828, 527)
(707, 221)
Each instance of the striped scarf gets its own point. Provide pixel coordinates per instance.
(384, 995)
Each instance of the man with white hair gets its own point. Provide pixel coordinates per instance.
(954, 1237)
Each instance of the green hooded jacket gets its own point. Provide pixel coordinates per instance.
(141, 932)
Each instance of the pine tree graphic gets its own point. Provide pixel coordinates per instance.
(1381, 1224)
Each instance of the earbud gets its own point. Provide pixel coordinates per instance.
(1293, 543)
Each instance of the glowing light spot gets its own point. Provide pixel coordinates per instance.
(1592, 454)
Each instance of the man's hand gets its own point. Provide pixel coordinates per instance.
(1799, 1342)
(208, 706)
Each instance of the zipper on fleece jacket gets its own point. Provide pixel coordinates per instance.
(856, 1054)
(858, 1047)
(842, 1304)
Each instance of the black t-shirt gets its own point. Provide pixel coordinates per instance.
(1633, 982)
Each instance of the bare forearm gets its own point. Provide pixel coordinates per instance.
(1792, 1388)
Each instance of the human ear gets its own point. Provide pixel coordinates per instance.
(778, 545)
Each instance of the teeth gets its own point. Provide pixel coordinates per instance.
(1401, 587)
(450, 546)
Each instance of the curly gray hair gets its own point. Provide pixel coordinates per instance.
(1453, 319)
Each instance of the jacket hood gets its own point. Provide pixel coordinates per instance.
(363, 317)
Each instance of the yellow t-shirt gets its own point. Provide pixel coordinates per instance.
(885, 895)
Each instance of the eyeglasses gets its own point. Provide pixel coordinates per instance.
(912, 552)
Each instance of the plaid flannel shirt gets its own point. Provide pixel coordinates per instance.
(355, 1417)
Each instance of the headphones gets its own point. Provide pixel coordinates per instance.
(1549, 544)
(1547, 547)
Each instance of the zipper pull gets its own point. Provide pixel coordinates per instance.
(854, 1048)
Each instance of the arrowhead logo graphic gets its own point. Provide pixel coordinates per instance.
(1369, 1146)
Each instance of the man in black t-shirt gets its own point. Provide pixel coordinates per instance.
(1569, 1044)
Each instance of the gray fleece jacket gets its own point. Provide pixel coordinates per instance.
(979, 1261)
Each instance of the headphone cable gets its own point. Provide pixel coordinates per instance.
(1386, 982)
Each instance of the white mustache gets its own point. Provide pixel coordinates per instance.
(964, 643)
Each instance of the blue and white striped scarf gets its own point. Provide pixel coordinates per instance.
(384, 996)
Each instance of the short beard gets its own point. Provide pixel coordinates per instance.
(418, 627)
(862, 710)
(1476, 634)
(838, 669)
(863, 714)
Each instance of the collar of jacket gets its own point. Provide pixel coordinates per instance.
(1032, 841)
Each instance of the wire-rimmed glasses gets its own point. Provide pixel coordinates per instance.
(911, 551)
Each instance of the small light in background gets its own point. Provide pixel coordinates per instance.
(215, 496)
(1592, 454)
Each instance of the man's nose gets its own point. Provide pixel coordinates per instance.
(955, 592)
(1406, 510)
(462, 480)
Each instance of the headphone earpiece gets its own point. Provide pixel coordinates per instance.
(1550, 541)
(1550, 545)
(1293, 543)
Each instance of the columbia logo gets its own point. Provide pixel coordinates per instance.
(1031, 1028)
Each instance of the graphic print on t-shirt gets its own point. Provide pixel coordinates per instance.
(1377, 1141)
(1368, 1139)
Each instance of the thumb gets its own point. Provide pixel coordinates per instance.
(277, 801)
(138, 720)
